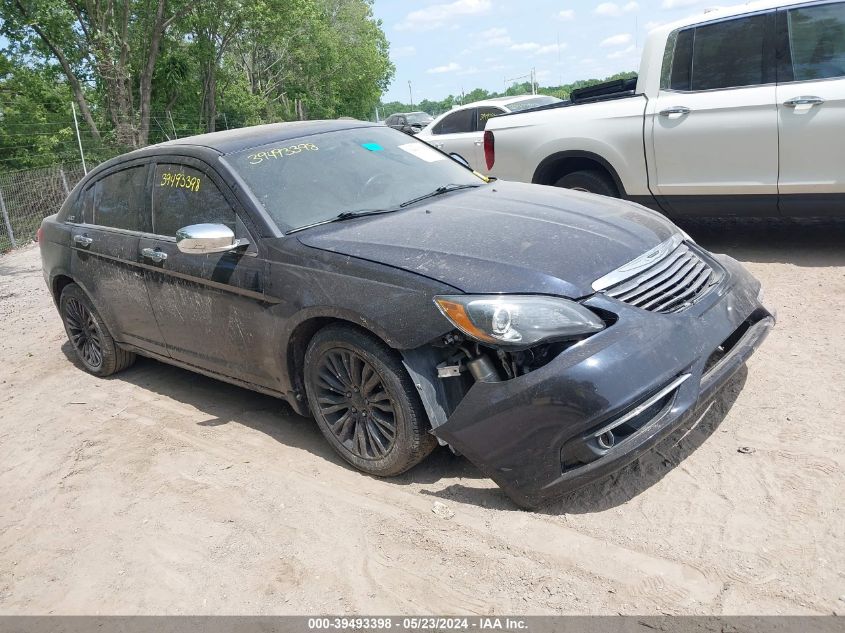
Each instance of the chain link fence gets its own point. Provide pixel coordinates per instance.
(27, 197)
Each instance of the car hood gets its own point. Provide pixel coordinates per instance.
(503, 237)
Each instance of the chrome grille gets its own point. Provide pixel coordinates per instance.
(672, 284)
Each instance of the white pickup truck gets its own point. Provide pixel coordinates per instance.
(740, 111)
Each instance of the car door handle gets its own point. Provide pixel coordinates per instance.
(803, 101)
(479, 143)
(154, 254)
(438, 145)
(682, 110)
(82, 240)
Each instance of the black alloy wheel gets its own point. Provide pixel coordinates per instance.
(355, 403)
(84, 333)
(89, 336)
(364, 401)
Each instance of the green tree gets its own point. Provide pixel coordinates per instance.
(117, 42)
(142, 70)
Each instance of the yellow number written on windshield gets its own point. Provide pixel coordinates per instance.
(281, 152)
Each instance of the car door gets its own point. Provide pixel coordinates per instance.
(106, 227)
(811, 109)
(456, 134)
(713, 124)
(211, 308)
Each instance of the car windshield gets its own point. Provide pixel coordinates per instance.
(313, 179)
(535, 102)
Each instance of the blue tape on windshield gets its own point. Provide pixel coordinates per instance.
(373, 147)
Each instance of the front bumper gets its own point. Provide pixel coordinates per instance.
(535, 435)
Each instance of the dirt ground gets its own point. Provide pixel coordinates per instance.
(162, 492)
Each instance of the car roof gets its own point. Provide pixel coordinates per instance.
(407, 113)
(229, 141)
(506, 100)
(721, 12)
(496, 101)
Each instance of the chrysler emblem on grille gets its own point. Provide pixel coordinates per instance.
(646, 260)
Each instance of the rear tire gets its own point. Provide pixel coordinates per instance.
(93, 343)
(365, 403)
(591, 181)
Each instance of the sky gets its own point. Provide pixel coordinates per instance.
(445, 46)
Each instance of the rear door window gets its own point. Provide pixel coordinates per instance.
(726, 54)
(183, 196)
(729, 54)
(457, 123)
(817, 41)
(120, 200)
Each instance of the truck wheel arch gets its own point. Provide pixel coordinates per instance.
(554, 167)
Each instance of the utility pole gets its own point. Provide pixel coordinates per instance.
(78, 139)
(9, 230)
(411, 94)
(533, 81)
(529, 76)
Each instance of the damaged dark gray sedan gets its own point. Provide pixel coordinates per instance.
(550, 336)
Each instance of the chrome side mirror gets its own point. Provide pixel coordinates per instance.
(201, 239)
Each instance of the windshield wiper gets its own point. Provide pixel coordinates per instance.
(345, 215)
(437, 192)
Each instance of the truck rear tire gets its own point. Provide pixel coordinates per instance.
(591, 181)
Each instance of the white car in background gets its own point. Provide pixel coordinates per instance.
(461, 129)
(737, 111)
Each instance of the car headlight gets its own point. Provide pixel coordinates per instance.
(518, 320)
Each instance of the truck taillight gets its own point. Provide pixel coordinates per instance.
(38, 234)
(489, 149)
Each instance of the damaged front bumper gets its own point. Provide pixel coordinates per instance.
(603, 402)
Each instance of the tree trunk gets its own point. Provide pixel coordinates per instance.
(81, 102)
(119, 98)
(72, 79)
(212, 102)
(145, 84)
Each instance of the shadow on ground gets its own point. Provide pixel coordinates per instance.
(227, 404)
(223, 404)
(786, 241)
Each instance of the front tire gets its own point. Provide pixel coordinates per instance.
(94, 346)
(364, 402)
(591, 181)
